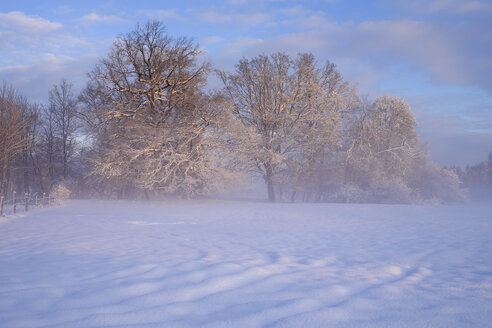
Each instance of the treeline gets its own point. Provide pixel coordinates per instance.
(477, 179)
(145, 126)
(37, 143)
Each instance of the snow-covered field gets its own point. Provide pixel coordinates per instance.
(117, 264)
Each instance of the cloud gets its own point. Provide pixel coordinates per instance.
(237, 2)
(297, 10)
(26, 37)
(310, 22)
(445, 52)
(94, 17)
(422, 44)
(212, 16)
(445, 42)
(63, 10)
(22, 23)
(241, 46)
(218, 17)
(387, 56)
(161, 14)
(451, 142)
(35, 80)
(40, 52)
(211, 40)
(252, 19)
(457, 7)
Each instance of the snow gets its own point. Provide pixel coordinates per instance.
(220, 264)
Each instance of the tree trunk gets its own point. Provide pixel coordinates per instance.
(269, 182)
(65, 161)
(293, 196)
(5, 177)
(27, 178)
(271, 191)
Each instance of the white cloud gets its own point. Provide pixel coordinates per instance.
(212, 40)
(161, 14)
(22, 23)
(451, 50)
(26, 36)
(253, 19)
(446, 6)
(444, 52)
(450, 136)
(422, 44)
(310, 21)
(473, 6)
(241, 46)
(94, 17)
(297, 10)
(63, 10)
(212, 16)
(38, 51)
(34, 80)
(237, 2)
(218, 17)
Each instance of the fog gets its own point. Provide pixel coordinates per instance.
(283, 164)
(287, 127)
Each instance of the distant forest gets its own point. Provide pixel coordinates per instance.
(147, 126)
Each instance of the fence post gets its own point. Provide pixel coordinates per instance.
(27, 201)
(15, 202)
(43, 202)
(2, 199)
(36, 200)
(49, 199)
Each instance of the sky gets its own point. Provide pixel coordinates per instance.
(436, 54)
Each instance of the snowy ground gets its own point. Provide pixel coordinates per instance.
(115, 264)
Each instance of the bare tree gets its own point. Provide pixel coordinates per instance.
(149, 75)
(286, 107)
(157, 125)
(33, 155)
(14, 122)
(49, 147)
(63, 112)
(27, 162)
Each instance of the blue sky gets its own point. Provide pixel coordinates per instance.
(434, 53)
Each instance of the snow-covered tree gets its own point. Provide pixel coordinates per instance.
(150, 75)
(385, 162)
(288, 109)
(157, 122)
(435, 184)
(382, 142)
(478, 178)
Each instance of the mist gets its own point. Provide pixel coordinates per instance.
(147, 126)
(281, 164)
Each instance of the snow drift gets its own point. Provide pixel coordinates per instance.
(116, 264)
